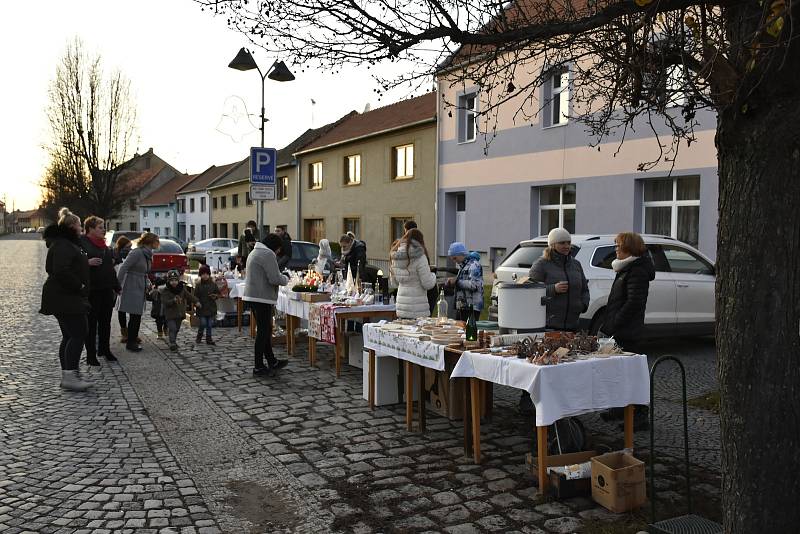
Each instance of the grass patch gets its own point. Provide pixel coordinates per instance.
(709, 401)
(194, 265)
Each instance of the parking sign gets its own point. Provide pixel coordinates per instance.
(262, 165)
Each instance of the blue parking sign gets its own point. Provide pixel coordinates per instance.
(262, 165)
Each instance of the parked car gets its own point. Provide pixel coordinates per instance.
(40, 229)
(113, 235)
(168, 256)
(681, 298)
(303, 253)
(184, 244)
(198, 249)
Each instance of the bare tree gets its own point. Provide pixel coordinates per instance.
(738, 58)
(92, 119)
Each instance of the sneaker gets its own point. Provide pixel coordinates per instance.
(73, 381)
(173, 347)
(133, 348)
(264, 371)
(280, 364)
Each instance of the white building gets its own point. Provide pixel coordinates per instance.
(157, 212)
(193, 210)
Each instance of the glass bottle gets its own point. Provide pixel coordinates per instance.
(441, 308)
(472, 327)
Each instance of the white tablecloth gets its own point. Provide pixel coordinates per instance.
(565, 389)
(288, 304)
(386, 343)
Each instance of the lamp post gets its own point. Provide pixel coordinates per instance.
(278, 72)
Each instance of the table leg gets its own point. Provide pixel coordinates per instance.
(475, 393)
(467, 410)
(289, 334)
(541, 450)
(421, 400)
(239, 311)
(409, 395)
(371, 378)
(312, 351)
(629, 426)
(339, 347)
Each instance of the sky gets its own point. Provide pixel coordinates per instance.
(176, 57)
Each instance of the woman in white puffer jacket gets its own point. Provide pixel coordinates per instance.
(411, 274)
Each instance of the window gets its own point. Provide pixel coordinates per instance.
(315, 175)
(132, 204)
(556, 97)
(166, 214)
(352, 170)
(685, 261)
(314, 230)
(133, 227)
(404, 161)
(214, 203)
(557, 208)
(235, 232)
(247, 200)
(398, 227)
(604, 256)
(144, 213)
(235, 201)
(191, 205)
(467, 117)
(191, 232)
(283, 188)
(118, 226)
(352, 224)
(156, 213)
(672, 208)
(157, 230)
(203, 231)
(223, 230)
(461, 217)
(202, 204)
(224, 202)
(214, 230)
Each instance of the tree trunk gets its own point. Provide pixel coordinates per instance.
(758, 292)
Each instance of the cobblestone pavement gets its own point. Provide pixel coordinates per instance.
(303, 452)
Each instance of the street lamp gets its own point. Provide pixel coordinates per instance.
(278, 72)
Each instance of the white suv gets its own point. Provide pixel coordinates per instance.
(681, 298)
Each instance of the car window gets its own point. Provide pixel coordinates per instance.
(604, 256)
(682, 260)
(524, 257)
(218, 243)
(304, 251)
(168, 247)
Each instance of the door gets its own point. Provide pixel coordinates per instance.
(695, 282)
(314, 230)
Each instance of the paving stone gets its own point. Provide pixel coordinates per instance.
(563, 525)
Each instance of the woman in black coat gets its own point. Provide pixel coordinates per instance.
(103, 290)
(65, 294)
(627, 301)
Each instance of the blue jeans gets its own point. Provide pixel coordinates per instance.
(205, 323)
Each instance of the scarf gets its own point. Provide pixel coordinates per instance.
(99, 243)
(621, 265)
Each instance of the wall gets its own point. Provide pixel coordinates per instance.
(230, 215)
(378, 198)
(165, 222)
(198, 217)
(279, 212)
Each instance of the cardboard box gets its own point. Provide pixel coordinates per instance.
(618, 481)
(531, 460)
(445, 396)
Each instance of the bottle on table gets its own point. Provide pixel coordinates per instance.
(472, 327)
(441, 308)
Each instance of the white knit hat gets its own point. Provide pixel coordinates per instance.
(557, 235)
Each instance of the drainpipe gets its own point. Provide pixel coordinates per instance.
(436, 177)
(298, 216)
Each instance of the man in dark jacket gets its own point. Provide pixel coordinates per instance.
(286, 247)
(104, 287)
(247, 240)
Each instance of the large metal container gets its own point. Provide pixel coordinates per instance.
(521, 307)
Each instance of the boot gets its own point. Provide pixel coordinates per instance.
(123, 335)
(160, 333)
(91, 359)
(209, 341)
(199, 337)
(73, 381)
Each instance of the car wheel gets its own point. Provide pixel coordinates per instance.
(597, 321)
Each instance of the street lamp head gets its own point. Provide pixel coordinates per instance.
(280, 72)
(243, 61)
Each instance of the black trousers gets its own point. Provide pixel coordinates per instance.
(101, 308)
(74, 328)
(263, 346)
(122, 317)
(134, 322)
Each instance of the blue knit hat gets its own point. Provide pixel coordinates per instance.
(457, 249)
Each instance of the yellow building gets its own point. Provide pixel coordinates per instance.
(231, 206)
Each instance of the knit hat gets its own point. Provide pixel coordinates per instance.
(204, 269)
(173, 275)
(557, 235)
(457, 249)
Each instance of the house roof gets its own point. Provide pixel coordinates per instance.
(202, 180)
(166, 193)
(238, 172)
(387, 118)
(134, 180)
(286, 154)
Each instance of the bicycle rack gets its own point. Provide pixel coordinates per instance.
(689, 523)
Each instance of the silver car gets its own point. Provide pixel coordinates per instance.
(197, 250)
(680, 300)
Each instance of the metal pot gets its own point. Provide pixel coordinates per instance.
(521, 307)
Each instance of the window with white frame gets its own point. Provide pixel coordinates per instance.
(144, 213)
(315, 175)
(556, 97)
(672, 208)
(467, 117)
(557, 208)
(156, 214)
(404, 161)
(352, 170)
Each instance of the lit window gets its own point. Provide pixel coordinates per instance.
(404, 161)
(352, 170)
(467, 117)
(556, 97)
(315, 175)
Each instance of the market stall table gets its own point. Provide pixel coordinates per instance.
(558, 391)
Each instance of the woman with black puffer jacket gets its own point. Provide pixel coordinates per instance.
(65, 294)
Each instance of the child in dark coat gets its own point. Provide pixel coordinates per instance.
(157, 311)
(174, 298)
(207, 293)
